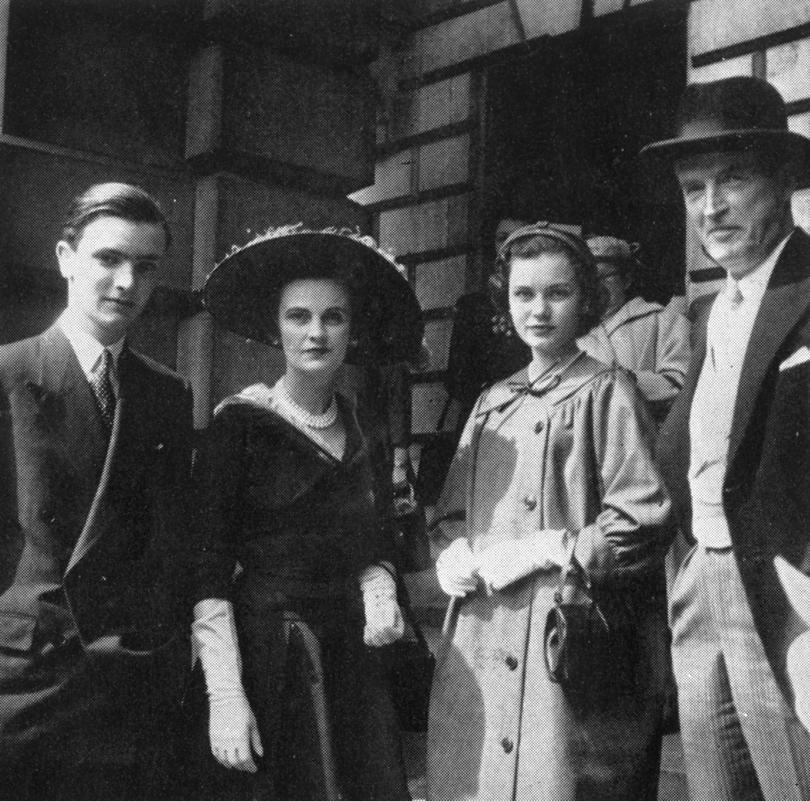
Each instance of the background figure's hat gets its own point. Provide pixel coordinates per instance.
(614, 250)
(741, 113)
(241, 293)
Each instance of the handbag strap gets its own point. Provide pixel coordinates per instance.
(567, 567)
(407, 613)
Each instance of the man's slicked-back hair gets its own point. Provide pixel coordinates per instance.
(112, 199)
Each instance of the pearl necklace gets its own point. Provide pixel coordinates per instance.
(317, 421)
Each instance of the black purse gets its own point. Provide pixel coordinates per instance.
(577, 637)
(410, 535)
(410, 665)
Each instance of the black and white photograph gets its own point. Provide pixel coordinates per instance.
(404, 400)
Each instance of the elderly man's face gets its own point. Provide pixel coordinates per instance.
(739, 211)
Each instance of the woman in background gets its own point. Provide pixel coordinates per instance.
(647, 339)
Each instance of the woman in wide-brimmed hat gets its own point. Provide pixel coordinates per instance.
(289, 648)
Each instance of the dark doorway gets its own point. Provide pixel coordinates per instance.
(564, 127)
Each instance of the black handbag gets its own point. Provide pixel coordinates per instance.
(577, 637)
(413, 548)
(410, 666)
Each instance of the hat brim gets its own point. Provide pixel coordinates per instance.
(667, 151)
(241, 293)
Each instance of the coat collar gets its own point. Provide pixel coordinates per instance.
(260, 396)
(557, 385)
(633, 309)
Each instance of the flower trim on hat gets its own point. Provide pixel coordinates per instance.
(291, 229)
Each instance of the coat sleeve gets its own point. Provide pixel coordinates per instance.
(632, 530)
(218, 482)
(671, 358)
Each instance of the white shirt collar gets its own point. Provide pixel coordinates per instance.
(87, 348)
(753, 284)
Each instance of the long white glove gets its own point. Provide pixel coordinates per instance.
(457, 569)
(384, 623)
(506, 562)
(232, 728)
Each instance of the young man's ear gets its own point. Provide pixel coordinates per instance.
(64, 255)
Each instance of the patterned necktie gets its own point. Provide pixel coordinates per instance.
(101, 384)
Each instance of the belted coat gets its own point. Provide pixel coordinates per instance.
(574, 457)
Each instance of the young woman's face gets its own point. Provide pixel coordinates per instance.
(545, 302)
(314, 321)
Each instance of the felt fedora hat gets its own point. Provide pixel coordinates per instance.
(740, 113)
(242, 292)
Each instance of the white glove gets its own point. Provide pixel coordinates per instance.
(798, 670)
(232, 728)
(384, 623)
(457, 569)
(506, 562)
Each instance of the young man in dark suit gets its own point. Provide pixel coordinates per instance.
(95, 443)
(735, 449)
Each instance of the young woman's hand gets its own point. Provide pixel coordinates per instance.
(509, 561)
(457, 569)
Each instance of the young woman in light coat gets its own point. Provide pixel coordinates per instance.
(555, 458)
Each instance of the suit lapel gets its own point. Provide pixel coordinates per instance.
(67, 404)
(784, 303)
(127, 440)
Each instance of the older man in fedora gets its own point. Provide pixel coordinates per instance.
(735, 449)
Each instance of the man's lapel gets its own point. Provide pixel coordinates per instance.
(67, 404)
(785, 301)
(122, 458)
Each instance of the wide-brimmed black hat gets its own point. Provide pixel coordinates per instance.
(241, 293)
(740, 113)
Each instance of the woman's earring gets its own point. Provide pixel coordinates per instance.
(354, 342)
(275, 341)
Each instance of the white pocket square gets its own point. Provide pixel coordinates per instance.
(801, 356)
(796, 586)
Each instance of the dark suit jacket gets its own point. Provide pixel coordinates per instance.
(766, 492)
(92, 606)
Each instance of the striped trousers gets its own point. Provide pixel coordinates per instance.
(741, 740)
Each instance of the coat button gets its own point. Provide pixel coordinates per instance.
(507, 745)
(531, 502)
(538, 426)
(511, 662)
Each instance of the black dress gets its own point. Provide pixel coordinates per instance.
(298, 526)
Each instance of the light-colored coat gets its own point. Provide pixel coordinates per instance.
(575, 457)
(649, 340)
